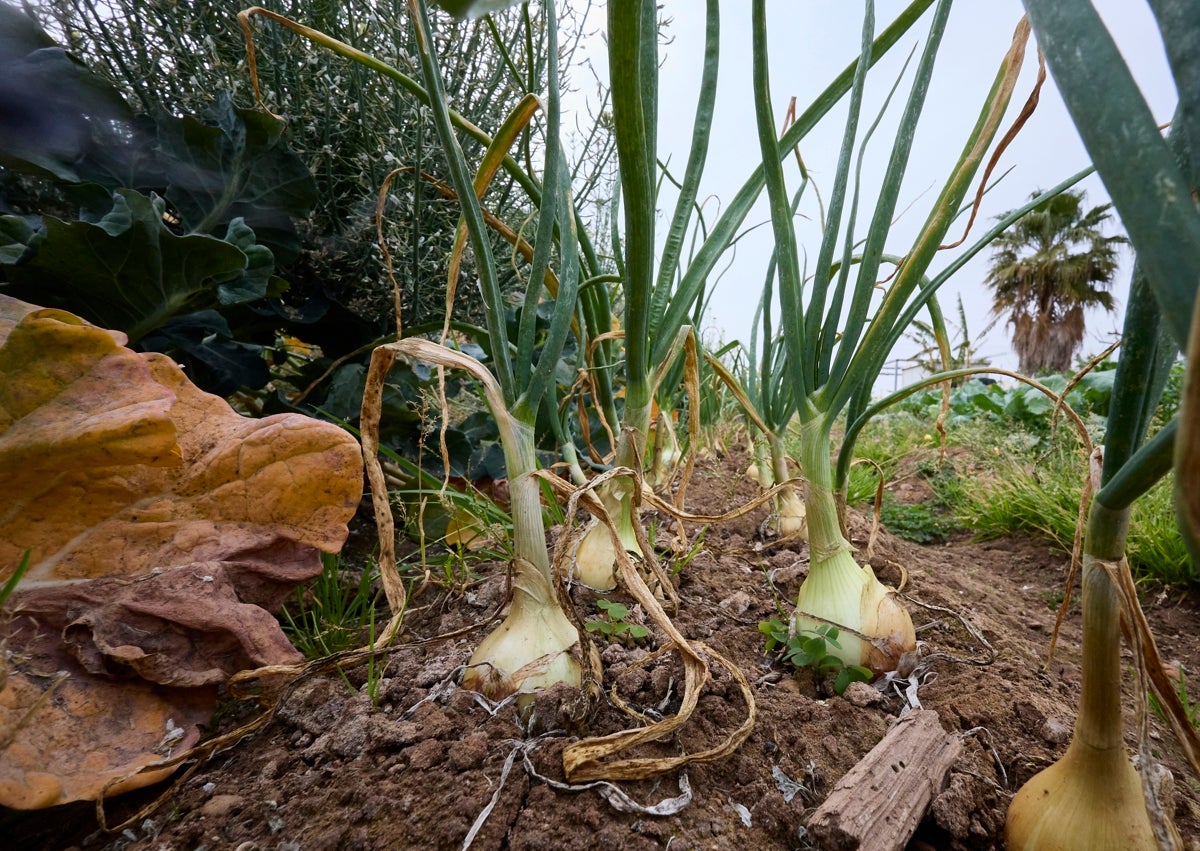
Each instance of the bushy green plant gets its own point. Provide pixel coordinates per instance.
(350, 126)
(812, 649)
(1011, 494)
(166, 228)
(1018, 404)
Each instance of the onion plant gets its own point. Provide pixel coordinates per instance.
(766, 397)
(535, 644)
(838, 335)
(1093, 798)
(532, 647)
(660, 299)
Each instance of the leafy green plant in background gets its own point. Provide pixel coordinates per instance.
(1019, 405)
(350, 127)
(813, 649)
(178, 220)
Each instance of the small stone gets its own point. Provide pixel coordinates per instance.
(862, 695)
(789, 685)
(831, 745)
(431, 721)
(427, 754)
(436, 670)
(737, 602)
(221, 806)
(395, 733)
(469, 753)
(632, 681)
(1055, 732)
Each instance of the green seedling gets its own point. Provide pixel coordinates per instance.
(10, 584)
(612, 624)
(334, 613)
(1192, 710)
(686, 559)
(811, 649)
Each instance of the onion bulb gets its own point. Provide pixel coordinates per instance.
(596, 559)
(793, 521)
(530, 649)
(1091, 798)
(596, 556)
(841, 592)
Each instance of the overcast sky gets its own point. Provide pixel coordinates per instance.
(811, 41)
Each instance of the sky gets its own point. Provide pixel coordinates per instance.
(811, 41)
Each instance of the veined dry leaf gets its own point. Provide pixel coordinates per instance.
(164, 528)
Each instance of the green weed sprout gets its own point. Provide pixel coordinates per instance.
(813, 649)
(612, 624)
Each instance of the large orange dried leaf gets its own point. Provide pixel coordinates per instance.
(164, 529)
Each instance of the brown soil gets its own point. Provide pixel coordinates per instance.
(417, 767)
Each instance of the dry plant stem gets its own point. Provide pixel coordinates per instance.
(586, 760)
(381, 362)
(1085, 498)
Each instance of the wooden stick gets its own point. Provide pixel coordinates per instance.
(879, 803)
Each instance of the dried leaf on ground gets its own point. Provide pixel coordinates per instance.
(164, 530)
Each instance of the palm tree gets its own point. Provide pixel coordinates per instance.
(1048, 268)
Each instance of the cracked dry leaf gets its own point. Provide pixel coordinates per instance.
(164, 530)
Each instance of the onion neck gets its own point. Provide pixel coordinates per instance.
(833, 589)
(826, 543)
(1099, 724)
(529, 531)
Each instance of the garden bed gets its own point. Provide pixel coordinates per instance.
(416, 766)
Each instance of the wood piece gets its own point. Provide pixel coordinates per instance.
(879, 803)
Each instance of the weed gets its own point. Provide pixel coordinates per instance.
(920, 523)
(1043, 498)
(1192, 710)
(375, 667)
(810, 649)
(333, 614)
(1054, 598)
(10, 584)
(613, 626)
(686, 559)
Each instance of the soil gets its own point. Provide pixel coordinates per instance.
(418, 765)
